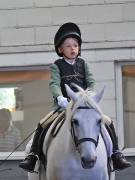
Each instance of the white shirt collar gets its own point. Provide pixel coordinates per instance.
(70, 61)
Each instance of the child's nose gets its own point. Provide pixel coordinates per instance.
(73, 47)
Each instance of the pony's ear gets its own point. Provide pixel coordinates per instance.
(99, 95)
(71, 93)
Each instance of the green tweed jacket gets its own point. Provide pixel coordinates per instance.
(55, 81)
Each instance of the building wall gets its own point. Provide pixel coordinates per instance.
(30, 25)
(27, 29)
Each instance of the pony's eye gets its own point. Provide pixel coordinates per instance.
(99, 121)
(76, 122)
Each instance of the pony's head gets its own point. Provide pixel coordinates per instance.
(86, 118)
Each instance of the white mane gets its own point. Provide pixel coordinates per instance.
(86, 97)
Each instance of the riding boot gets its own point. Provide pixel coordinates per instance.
(118, 159)
(29, 162)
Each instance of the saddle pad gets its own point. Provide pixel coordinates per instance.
(107, 140)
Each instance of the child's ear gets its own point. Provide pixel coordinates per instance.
(60, 50)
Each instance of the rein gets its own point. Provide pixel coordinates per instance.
(79, 141)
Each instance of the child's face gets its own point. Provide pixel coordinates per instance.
(70, 48)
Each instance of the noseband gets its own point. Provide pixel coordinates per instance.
(79, 141)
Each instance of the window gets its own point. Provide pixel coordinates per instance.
(128, 81)
(125, 89)
(25, 94)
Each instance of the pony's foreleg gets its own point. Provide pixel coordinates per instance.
(41, 175)
(112, 176)
(33, 176)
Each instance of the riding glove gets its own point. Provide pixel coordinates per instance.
(62, 101)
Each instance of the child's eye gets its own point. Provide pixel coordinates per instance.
(67, 46)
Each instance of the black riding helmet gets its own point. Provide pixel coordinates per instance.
(65, 31)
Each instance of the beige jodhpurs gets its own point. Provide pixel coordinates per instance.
(50, 117)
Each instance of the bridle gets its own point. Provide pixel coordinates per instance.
(79, 141)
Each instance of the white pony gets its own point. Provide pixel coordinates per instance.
(79, 151)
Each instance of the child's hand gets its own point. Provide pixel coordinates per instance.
(62, 101)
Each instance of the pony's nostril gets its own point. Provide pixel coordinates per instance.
(85, 159)
(87, 162)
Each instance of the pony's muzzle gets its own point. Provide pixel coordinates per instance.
(88, 163)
